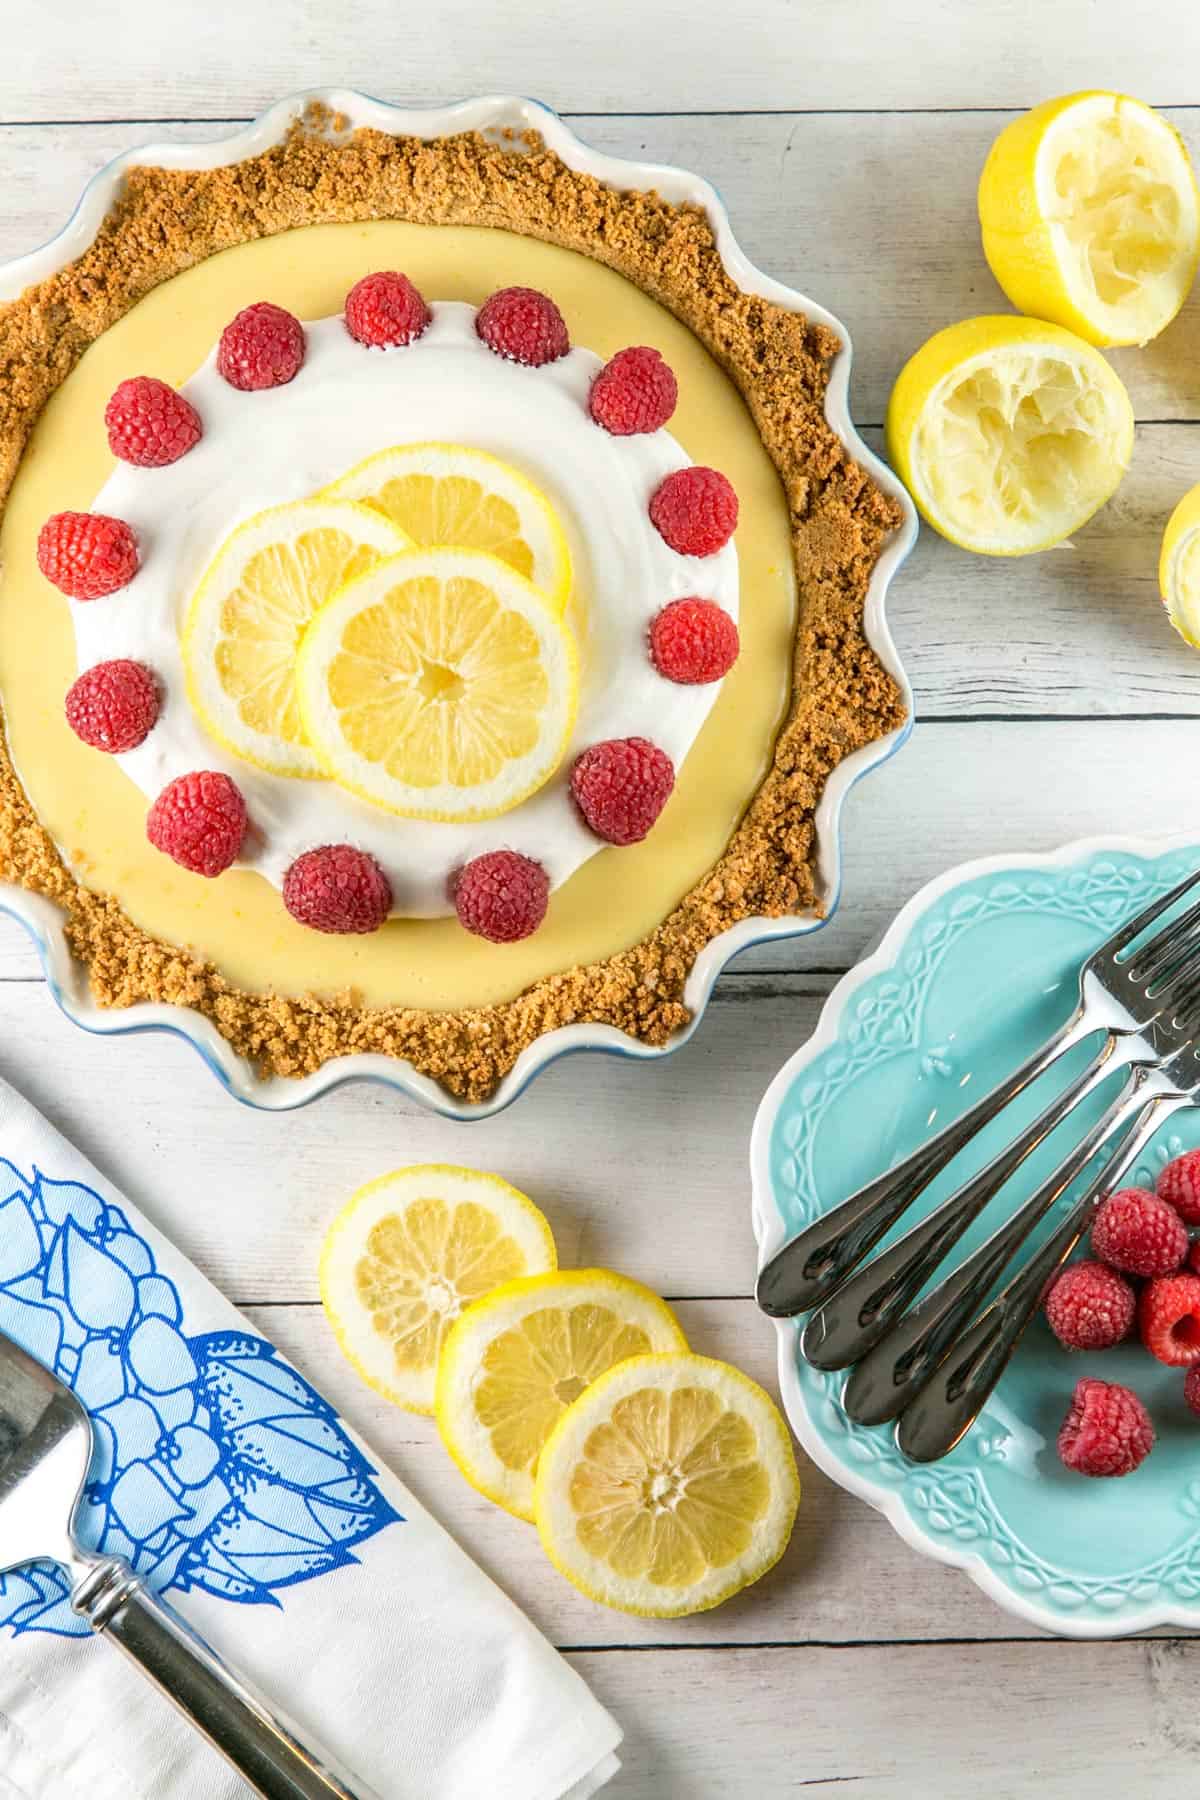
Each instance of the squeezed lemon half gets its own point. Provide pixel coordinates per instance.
(450, 494)
(1179, 568)
(1090, 216)
(439, 686)
(514, 1361)
(407, 1253)
(668, 1486)
(247, 616)
(1009, 433)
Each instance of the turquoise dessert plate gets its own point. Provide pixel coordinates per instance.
(976, 971)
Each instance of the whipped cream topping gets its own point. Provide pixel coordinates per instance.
(260, 449)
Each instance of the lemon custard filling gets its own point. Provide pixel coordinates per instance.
(567, 504)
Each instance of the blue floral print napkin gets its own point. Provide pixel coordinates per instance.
(227, 1480)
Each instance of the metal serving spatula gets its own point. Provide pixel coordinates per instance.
(45, 1451)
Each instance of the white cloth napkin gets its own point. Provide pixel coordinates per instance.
(226, 1479)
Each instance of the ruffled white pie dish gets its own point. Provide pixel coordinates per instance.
(67, 979)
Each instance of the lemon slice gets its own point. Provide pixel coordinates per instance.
(247, 616)
(1179, 568)
(450, 494)
(514, 1362)
(1090, 216)
(669, 1485)
(439, 686)
(407, 1253)
(1009, 433)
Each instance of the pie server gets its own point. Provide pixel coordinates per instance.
(45, 1451)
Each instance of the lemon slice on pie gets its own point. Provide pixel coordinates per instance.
(512, 1363)
(454, 495)
(1179, 568)
(1008, 433)
(669, 1485)
(439, 686)
(247, 616)
(1090, 216)
(407, 1252)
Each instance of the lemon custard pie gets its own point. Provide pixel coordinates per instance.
(430, 600)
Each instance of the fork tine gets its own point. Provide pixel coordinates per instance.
(1156, 958)
(1183, 996)
(1125, 936)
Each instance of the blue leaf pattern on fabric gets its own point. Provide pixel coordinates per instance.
(216, 1465)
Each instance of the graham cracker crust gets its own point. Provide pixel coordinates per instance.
(168, 220)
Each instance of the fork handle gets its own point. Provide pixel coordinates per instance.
(946, 1408)
(896, 1369)
(868, 1304)
(808, 1268)
(263, 1746)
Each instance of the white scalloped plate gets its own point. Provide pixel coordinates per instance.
(493, 115)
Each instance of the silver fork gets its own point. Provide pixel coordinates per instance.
(1118, 997)
(901, 1360)
(944, 1410)
(864, 1310)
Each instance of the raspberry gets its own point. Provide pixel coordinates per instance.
(524, 326)
(385, 310)
(695, 510)
(634, 391)
(693, 641)
(149, 424)
(1179, 1186)
(1107, 1431)
(1090, 1307)
(114, 705)
(1169, 1319)
(263, 347)
(337, 888)
(1139, 1233)
(199, 820)
(87, 555)
(1193, 1261)
(1191, 1388)
(501, 896)
(621, 786)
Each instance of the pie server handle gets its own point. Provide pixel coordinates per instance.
(263, 1746)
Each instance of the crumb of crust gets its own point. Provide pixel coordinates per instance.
(168, 220)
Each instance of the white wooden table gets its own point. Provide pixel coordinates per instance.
(1053, 702)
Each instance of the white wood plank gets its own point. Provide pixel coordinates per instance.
(127, 58)
(989, 1721)
(249, 1195)
(959, 791)
(838, 206)
(845, 1578)
(1077, 632)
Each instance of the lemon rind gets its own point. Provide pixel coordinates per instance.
(1025, 246)
(950, 355)
(1182, 534)
(783, 1465)
(302, 766)
(555, 550)
(459, 1356)
(332, 1244)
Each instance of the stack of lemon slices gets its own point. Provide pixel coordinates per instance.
(660, 1482)
(1011, 432)
(401, 633)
